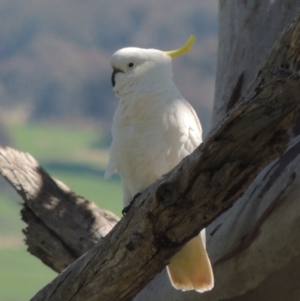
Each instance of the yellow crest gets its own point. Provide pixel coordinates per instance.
(184, 49)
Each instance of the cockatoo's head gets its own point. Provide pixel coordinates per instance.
(143, 69)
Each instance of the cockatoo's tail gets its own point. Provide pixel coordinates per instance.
(182, 50)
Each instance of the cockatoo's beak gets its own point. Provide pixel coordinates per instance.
(184, 49)
(113, 82)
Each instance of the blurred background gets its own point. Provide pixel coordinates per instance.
(57, 102)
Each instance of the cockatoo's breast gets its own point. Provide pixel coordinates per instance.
(151, 134)
(138, 141)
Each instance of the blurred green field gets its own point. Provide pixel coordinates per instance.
(21, 275)
(61, 142)
(69, 154)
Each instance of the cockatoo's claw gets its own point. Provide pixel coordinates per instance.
(127, 208)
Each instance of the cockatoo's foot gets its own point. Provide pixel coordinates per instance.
(127, 208)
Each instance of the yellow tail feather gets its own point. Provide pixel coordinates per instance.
(190, 269)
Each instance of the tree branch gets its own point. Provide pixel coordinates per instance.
(200, 188)
(61, 225)
(254, 246)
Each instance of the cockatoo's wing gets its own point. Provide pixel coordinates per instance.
(189, 269)
(113, 162)
(183, 132)
(110, 170)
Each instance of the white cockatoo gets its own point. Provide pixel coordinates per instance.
(153, 129)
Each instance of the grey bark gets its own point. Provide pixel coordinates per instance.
(247, 31)
(61, 225)
(254, 246)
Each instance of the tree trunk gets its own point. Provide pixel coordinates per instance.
(254, 246)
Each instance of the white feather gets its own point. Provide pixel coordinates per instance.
(154, 128)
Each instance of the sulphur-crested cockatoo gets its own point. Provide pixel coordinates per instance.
(153, 129)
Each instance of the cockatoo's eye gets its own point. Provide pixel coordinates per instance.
(130, 65)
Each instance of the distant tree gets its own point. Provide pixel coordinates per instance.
(58, 66)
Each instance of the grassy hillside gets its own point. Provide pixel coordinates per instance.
(68, 153)
(21, 275)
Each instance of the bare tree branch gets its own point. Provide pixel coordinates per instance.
(61, 225)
